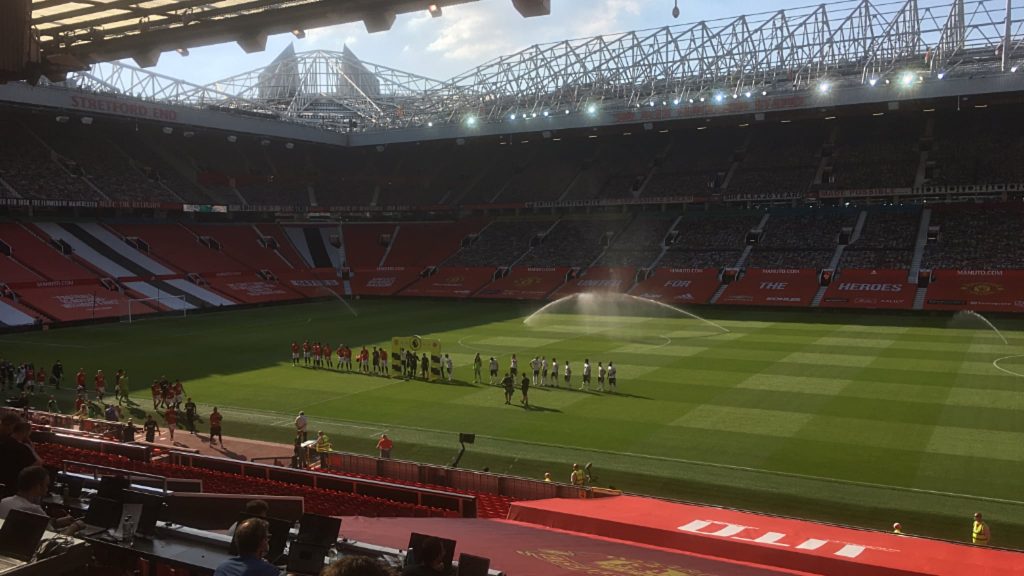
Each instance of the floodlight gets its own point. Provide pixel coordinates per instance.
(591, 109)
(701, 98)
(534, 115)
(764, 92)
(651, 103)
(471, 120)
(1014, 69)
(545, 113)
(719, 97)
(824, 87)
(430, 124)
(747, 94)
(299, 33)
(182, 51)
(941, 75)
(435, 10)
(676, 102)
(873, 81)
(512, 116)
(908, 78)
(566, 112)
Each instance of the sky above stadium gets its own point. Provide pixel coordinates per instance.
(465, 36)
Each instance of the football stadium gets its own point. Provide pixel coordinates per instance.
(736, 296)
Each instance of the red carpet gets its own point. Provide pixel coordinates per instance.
(765, 540)
(524, 550)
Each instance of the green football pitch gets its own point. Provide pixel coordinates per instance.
(860, 419)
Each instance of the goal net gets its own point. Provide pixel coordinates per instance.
(165, 305)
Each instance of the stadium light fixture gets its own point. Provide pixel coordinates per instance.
(873, 81)
(545, 113)
(824, 87)
(676, 102)
(1014, 69)
(566, 112)
(435, 10)
(289, 145)
(182, 51)
(471, 121)
(701, 98)
(908, 78)
(747, 94)
(691, 100)
(941, 75)
(719, 97)
(651, 103)
(299, 33)
(430, 124)
(534, 115)
(512, 116)
(591, 109)
(764, 92)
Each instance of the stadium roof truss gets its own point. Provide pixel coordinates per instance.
(81, 32)
(847, 43)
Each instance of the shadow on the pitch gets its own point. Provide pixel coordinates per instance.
(535, 408)
(625, 395)
(461, 383)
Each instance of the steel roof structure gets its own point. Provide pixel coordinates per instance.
(83, 32)
(825, 47)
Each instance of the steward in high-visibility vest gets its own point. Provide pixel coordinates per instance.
(323, 447)
(979, 533)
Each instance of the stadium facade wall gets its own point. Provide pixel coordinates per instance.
(773, 287)
(525, 284)
(883, 289)
(679, 285)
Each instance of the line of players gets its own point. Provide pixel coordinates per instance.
(376, 361)
(545, 377)
(319, 355)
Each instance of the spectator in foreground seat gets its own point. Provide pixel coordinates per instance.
(357, 566)
(253, 539)
(253, 509)
(33, 484)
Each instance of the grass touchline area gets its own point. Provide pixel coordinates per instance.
(861, 419)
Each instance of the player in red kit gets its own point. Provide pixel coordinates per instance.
(317, 357)
(384, 361)
(327, 356)
(306, 351)
(101, 384)
(80, 380)
(295, 354)
(171, 417)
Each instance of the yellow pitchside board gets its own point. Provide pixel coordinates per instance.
(429, 346)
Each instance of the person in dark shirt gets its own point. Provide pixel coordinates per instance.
(57, 373)
(510, 387)
(357, 566)
(525, 387)
(429, 558)
(190, 415)
(424, 367)
(253, 540)
(151, 428)
(15, 456)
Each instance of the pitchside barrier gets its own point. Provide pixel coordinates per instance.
(429, 346)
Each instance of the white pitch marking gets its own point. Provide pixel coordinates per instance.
(996, 362)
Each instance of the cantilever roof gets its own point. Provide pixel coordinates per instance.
(81, 32)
